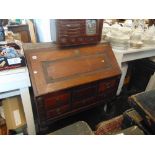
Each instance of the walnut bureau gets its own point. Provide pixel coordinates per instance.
(72, 79)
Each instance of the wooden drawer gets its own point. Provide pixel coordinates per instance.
(74, 32)
(70, 20)
(71, 23)
(70, 34)
(72, 40)
(84, 92)
(91, 39)
(63, 40)
(63, 29)
(108, 94)
(107, 84)
(83, 103)
(56, 99)
(57, 111)
(69, 28)
(80, 39)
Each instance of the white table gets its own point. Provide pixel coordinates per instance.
(124, 56)
(16, 82)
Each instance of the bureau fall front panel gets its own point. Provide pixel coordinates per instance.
(59, 69)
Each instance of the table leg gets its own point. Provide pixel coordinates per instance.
(151, 83)
(124, 69)
(25, 96)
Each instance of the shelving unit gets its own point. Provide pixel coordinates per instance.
(16, 82)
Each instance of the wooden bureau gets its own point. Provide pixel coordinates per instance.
(69, 80)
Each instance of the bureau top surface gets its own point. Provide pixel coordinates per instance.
(53, 69)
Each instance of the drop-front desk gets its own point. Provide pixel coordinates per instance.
(69, 80)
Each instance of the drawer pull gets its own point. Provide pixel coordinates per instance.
(34, 57)
(68, 25)
(108, 85)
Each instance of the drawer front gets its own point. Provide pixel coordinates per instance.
(107, 84)
(91, 39)
(109, 94)
(57, 111)
(86, 102)
(84, 92)
(63, 40)
(63, 30)
(67, 24)
(80, 40)
(62, 21)
(56, 100)
(72, 40)
(71, 32)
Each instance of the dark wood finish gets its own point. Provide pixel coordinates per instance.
(73, 32)
(69, 80)
(56, 99)
(23, 30)
(144, 104)
(145, 101)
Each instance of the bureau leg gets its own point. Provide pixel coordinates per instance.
(151, 83)
(42, 129)
(124, 69)
(25, 96)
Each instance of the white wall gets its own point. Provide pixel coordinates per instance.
(43, 29)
